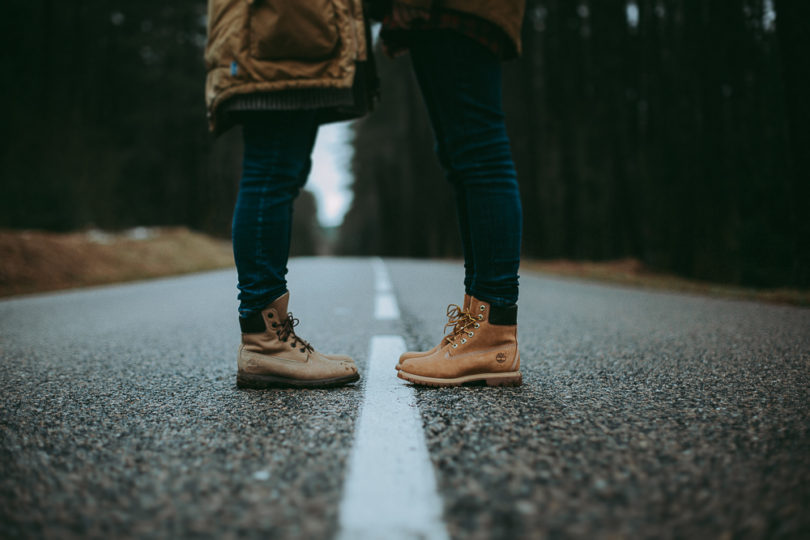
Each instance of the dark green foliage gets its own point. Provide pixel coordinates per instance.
(669, 138)
(105, 121)
(681, 140)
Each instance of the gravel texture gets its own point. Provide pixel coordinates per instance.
(642, 415)
(120, 416)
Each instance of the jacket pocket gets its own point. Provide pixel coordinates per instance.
(292, 29)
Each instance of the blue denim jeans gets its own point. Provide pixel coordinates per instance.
(277, 148)
(461, 84)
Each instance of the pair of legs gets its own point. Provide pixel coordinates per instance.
(461, 85)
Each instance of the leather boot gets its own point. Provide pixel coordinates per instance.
(482, 347)
(272, 355)
(454, 315)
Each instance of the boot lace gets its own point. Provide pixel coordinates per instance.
(286, 330)
(459, 320)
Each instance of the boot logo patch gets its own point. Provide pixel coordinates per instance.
(501, 357)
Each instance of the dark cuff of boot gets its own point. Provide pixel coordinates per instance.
(503, 315)
(252, 324)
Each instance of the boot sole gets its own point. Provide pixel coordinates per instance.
(512, 378)
(260, 382)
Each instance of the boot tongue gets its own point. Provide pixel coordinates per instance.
(280, 305)
(467, 302)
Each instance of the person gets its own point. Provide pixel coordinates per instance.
(280, 68)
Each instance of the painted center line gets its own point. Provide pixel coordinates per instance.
(390, 490)
(385, 307)
(382, 283)
(385, 303)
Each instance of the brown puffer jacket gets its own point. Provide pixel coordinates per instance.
(284, 54)
(304, 54)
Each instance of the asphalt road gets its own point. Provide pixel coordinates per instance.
(642, 414)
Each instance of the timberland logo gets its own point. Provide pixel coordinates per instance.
(501, 358)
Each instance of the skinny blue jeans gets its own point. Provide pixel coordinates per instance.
(460, 81)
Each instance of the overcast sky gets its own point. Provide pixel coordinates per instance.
(330, 178)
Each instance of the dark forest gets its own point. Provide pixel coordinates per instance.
(674, 131)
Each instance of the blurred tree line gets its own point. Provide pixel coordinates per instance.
(105, 121)
(674, 131)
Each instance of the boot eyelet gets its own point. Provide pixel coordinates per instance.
(483, 307)
(455, 345)
(274, 325)
(302, 349)
(471, 334)
(269, 315)
(480, 317)
(477, 325)
(463, 340)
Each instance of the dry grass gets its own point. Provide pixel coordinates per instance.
(32, 261)
(633, 272)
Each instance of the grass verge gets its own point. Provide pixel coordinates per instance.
(633, 272)
(34, 261)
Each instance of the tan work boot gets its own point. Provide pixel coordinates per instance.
(455, 315)
(482, 347)
(272, 355)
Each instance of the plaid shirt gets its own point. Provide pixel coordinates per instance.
(395, 37)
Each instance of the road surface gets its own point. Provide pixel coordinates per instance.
(642, 415)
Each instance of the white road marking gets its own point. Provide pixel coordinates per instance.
(385, 303)
(390, 491)
(382, 283)
(385, 307)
